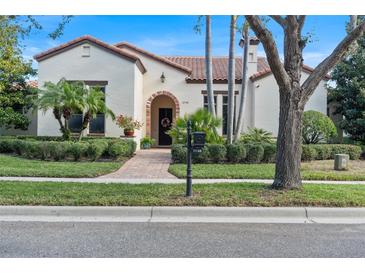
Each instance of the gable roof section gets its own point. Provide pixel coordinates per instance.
(161, 59)
(220, 67)
(194, 66)
(87, 38)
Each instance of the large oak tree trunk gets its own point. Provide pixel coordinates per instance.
(287, 172)
(293, 94)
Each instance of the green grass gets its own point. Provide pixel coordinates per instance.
(240, 194)
(15, 166)
(316, 170)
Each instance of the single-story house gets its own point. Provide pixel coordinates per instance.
(156, 89)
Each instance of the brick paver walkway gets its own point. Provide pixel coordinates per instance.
(146, 164)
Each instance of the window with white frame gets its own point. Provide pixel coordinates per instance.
(225, 113)
(206, 102)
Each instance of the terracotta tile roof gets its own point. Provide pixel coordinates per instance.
(220, 67)
(33, 83)
(194, 66)
(53, 51)
(122, 45)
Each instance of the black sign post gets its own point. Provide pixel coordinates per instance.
(189, 146)
(196, 146)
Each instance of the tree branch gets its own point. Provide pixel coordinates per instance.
(353, 21)
(271, 50)
(327, 64)
(280, 20)
(301, 20)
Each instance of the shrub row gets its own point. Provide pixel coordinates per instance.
(234, 153)
(89, 149)
(328, 151)
(260, 153)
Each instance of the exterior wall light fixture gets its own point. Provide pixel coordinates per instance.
(163, 78)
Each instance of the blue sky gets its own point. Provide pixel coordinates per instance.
(174, 35)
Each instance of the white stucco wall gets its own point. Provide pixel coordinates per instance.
(138, 98)
(266, 102)
(128, 89)
(100, 66)
(189, 95)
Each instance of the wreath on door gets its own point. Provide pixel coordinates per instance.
(165, 122)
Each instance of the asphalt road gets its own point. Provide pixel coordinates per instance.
(36, 239)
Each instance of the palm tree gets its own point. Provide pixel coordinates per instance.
(93, 103)
(231, 80)
(63, 98)
(201, 120)
(241, 111)
(208, 65)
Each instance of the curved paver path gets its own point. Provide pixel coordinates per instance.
(146, 164)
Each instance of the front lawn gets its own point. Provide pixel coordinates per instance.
(240, 194)
(315, 170)
(16, 166)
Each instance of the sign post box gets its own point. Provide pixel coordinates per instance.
(195, 143)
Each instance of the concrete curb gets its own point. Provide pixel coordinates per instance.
(336, 215)
(183, 214)
(164, 181)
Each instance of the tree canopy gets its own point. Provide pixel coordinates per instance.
(349, 92)
(15, 71)
(14, 74)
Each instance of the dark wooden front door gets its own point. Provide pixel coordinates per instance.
(165, 120)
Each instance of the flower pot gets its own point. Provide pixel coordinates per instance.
(129, 132)
(146, 146)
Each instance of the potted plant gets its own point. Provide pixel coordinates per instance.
(147, 142)
(128, 124)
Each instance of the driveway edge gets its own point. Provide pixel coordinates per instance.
(183, 214)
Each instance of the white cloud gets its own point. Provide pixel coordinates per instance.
(172, 44)
(314, 58)
(52, 43)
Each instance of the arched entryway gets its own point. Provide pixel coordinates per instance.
(162, 109)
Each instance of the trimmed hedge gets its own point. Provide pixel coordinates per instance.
(178, 153)
(201, 157)
(90, 149)
(309, 153)
(269, 153)
(236, 152)
(257, 153)
(217, 152)
(352, 150)
(96, 149)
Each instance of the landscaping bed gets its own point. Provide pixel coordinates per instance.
(56, 149)
(260, 152)
(239, 194)
(16, 166)
(314, 170)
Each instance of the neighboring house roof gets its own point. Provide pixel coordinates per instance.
(87, 38)
(219, 66)
(154, 56)
(33, 83)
